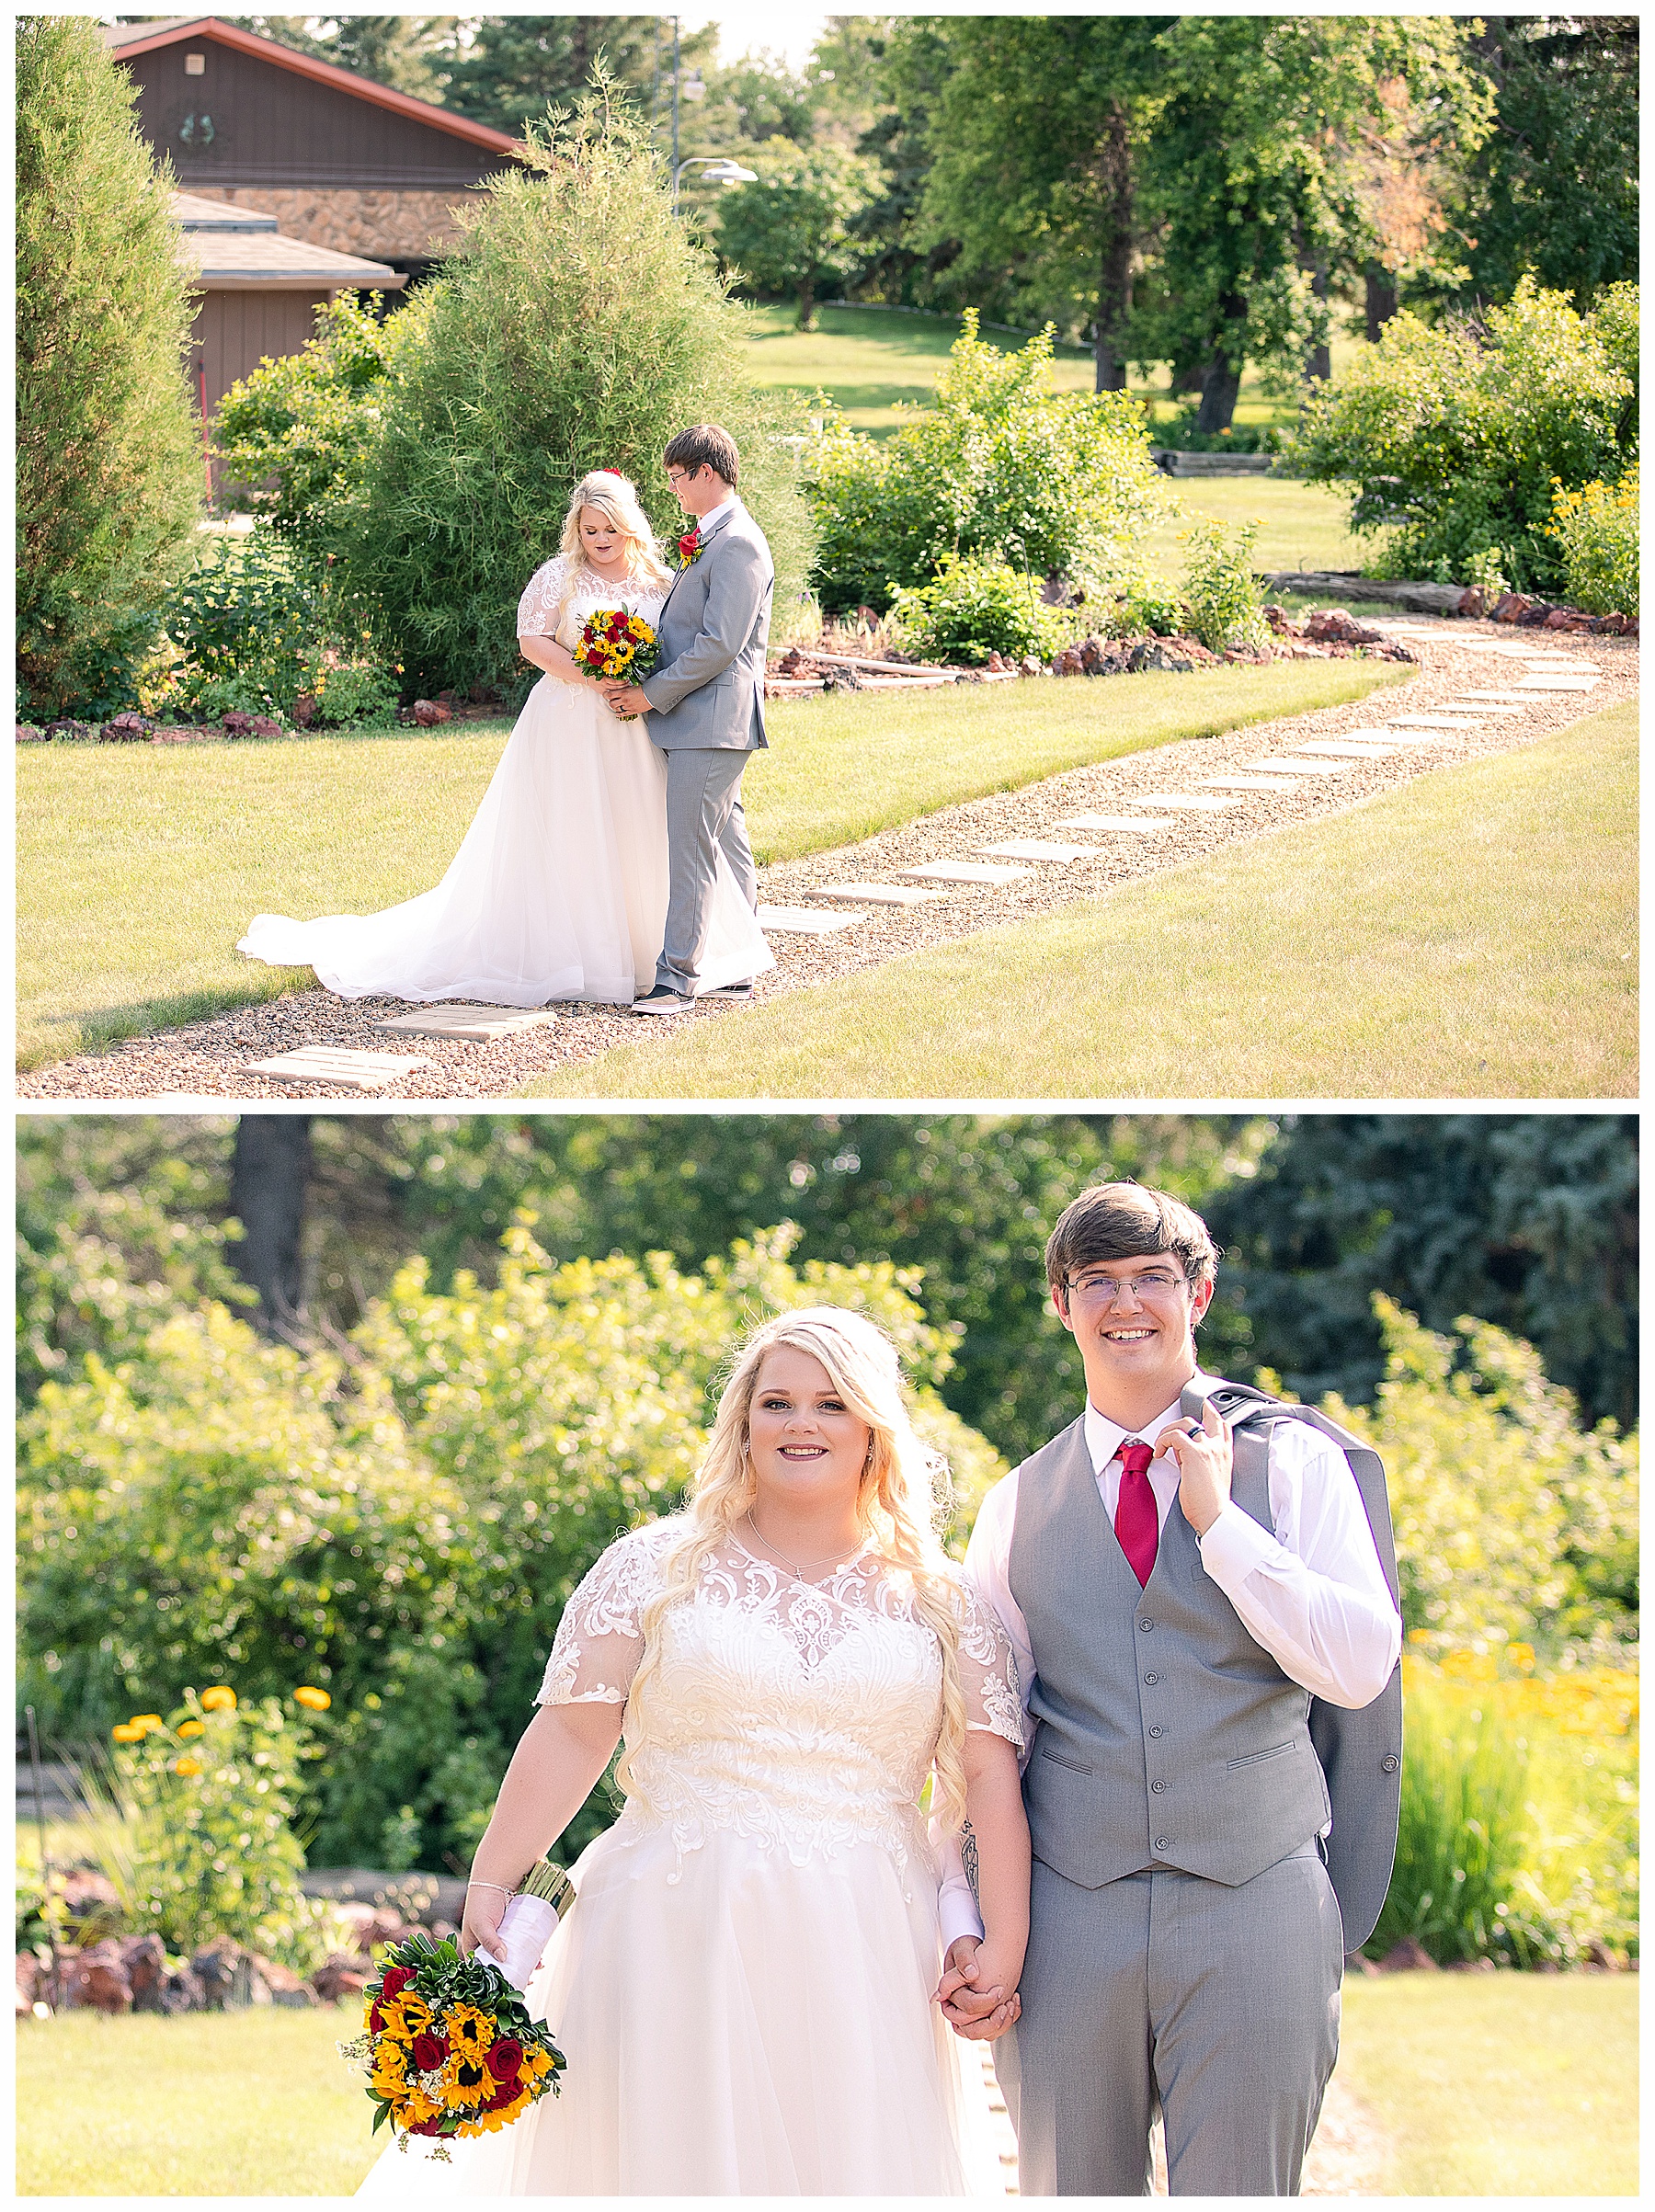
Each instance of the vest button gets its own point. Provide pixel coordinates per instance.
(1158, 1731)
(1157, 1787)
(1152, 1679)
(1146, 1626)
(1391, 1763)
(1163, 1843)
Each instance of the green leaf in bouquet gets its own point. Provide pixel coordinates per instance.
(380, 2117)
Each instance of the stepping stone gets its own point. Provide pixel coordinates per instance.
(1141, 824)
(1291, 766)
(1188, 801)
(1557, 683)
(1039, 849)
(879, 895)
(1437, 721)
(333, 1064)
(1247, 783)
(966, 871)
(1496, 699)
(455, 1019)
(1344, 749)
(805, 921)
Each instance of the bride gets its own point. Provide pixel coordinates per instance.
(744, 1984)
(559, 889)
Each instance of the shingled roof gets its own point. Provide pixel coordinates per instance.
(232, 248)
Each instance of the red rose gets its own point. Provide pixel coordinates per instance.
(507, 2093)
(689, 540)
(376, 2022)
(396, 1981)
(430, 2051)
(505, 2056)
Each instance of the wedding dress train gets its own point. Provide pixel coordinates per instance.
(559, 889)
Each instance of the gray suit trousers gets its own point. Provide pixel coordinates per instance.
(1220, 2005)
(703, 817)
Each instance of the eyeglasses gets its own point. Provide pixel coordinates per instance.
(677, 477)
(1104, 1290)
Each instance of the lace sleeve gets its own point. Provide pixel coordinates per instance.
(595, 1651)
(988, 1672)
(537, 609)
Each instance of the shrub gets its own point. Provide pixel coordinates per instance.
(1152, 605)
(581, 327)
(411, 1522)
(109, 479)
(1597, 528)
(1461, 1837)
(1224, 600)
(999, 468)
(295, 434)
(1512, 1523)
(1455, 437)
(207, 1799)
(975, 607)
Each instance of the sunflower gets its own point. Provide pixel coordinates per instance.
(470, 2031)
(465, 2082)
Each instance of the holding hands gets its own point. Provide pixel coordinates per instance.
(972, 1991)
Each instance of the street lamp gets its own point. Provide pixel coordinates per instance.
(715, 169)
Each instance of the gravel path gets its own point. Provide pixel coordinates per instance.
(211, 1058)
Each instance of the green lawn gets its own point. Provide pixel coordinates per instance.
(138, 867)
(1473, 934)
(1486, 2085)
(1303, 524)
(1498, 2084)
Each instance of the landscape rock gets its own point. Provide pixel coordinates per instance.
(1031, 664)
(428, 713)
(307, 707)
(1155, 652)
(183, 1992)
(1471, 1966)
(69, 728)
(95, 1979)
(1333, 625)
(32, 1981)
(1409, 1956)
(265, 726)
(286, 1988)
(339, 1975)
(128, 727)
(145, 1959)
(1277, 618)
(229, 1976)
(1600, 1956)
(237, 724)
(29, 734)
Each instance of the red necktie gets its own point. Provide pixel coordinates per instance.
(1137, 1522)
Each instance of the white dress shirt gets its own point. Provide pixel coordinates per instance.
(725, 507)
(1314, 1595)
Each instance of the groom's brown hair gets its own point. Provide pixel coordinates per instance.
(704, 445)
(1128, 1220)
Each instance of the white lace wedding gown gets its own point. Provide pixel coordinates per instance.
(742, 1986)
(559, 889)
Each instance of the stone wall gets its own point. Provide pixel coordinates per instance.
(356, 220)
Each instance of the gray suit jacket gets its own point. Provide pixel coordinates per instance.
(708, 693)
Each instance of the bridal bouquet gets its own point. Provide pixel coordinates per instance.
(449, 2048)
(618, 643)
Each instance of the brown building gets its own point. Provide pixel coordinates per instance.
(262, 289)
(339, 161)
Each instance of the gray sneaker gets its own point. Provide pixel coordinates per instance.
(662, 1000)
(741, 994)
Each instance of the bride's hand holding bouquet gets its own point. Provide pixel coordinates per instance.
(616, 646)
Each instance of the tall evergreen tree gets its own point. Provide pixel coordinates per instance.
(411, 54)
(1556, 181)
(515, 66)
(109, 460)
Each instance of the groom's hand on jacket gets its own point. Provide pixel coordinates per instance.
(1205, 1459)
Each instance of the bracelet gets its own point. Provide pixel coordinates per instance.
(499, 1885)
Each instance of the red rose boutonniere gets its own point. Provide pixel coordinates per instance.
(690, 546)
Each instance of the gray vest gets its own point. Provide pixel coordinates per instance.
(1167, 1734)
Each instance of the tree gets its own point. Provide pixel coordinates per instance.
(1036, 134)
(518, 65)
(1263, 182)
(411, 54)
(1555, 181)
(109, 474)
(1528, 1221)
(269, 1179)
(790, 230)
(581, 327)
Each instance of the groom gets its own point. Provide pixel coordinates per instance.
(705, 706)
(1198, 1613)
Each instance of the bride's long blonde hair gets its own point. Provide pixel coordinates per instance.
(616, 500)
(904, 1489)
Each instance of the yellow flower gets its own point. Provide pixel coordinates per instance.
(1521, 1655)
(220, 1698)
(469, 2030)
(412, 2010)
(148, 1720)
(186, 1766)
(465, 2081)
(126, 1732)
(318, 1700)
(192, 1728)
